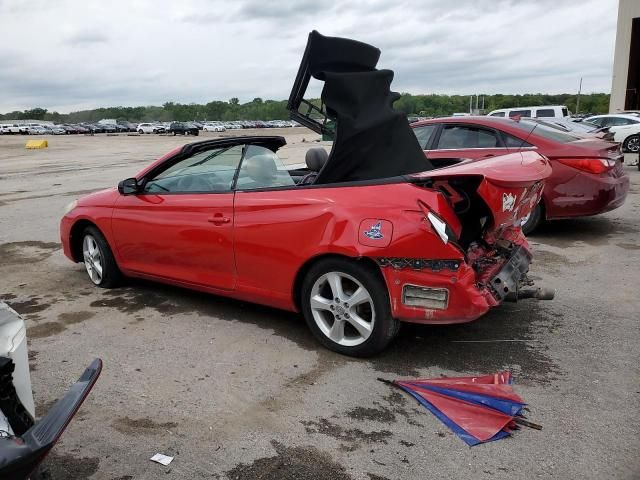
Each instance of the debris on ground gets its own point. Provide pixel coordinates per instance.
(477, 409)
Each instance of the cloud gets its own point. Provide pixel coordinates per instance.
(145, 52)
(280, 11)
(86, 38)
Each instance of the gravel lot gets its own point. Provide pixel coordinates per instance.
(239, 391)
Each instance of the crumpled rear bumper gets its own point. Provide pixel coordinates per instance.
(469, 294)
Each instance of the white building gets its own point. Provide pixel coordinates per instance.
(625, 89)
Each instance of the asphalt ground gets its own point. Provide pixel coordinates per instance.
(234, 390)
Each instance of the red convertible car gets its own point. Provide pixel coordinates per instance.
(362, 239)
(588, 176)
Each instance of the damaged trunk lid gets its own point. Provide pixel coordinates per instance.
(488, 201)
(490, 196)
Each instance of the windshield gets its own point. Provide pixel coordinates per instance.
(546, 131)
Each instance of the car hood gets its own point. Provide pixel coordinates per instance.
(101, 198)
(510, 185)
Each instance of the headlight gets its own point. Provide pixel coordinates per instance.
(70, 207)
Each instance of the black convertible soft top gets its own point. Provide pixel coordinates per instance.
(371, 139)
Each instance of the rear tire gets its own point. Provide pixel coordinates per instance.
(533, 222)
(98, 259)
(631, 144)
(141, 132)
(346, 306)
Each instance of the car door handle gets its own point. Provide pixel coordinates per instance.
(218, 219)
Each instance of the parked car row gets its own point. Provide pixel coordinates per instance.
(64, 128)
(145, 127)
(217, 126)
(624, 127)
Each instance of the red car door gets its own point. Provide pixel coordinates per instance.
(466, 141)
(180, 226)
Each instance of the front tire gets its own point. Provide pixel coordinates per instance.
(631, 144)
(98, 259)
(141, 132)
(346, 306)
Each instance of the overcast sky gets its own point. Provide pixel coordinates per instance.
(68, 55)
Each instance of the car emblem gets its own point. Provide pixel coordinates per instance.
(375, 232)
(508, 202)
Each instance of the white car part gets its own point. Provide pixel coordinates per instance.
(13, 344)
(439, 226)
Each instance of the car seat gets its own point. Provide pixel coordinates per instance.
(315, 158)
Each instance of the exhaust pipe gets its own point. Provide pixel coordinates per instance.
(537, 293)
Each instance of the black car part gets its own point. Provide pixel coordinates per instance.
(371, 139)
(21, 454)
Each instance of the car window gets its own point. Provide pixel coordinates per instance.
(424, 134)
(595, 121)
(546, 132)
(514, 142)
(619, 121)
(497, 114)
(519, 113)
(211, 171)
(261, 168)
(545, 112)
(459, 136)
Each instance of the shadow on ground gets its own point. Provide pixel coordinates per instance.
(594, 231)
(505, 338)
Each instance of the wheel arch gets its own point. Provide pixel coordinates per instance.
(302, 271)
(75, 237)
(626, 140)
(543, 204)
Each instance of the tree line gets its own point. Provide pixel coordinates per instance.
(258, 109)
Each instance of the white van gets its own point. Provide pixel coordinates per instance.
(543, 111)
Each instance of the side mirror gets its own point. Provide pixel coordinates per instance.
(128, 187)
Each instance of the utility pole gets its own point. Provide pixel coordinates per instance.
(470, 104)
(578, 100)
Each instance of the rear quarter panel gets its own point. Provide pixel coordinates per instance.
(277, 232)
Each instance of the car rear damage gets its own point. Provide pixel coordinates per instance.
(479, 225)
(474, 208)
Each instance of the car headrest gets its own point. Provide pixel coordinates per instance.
(261, 168)
(316, 158)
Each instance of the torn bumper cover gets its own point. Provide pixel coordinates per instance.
(454, 291)
(21, 454)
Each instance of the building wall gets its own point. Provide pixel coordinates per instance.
(627, 11)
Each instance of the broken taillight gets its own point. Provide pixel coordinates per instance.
(591, 165)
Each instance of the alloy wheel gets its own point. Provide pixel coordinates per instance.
(633, 145)
(342, 308)
(92, 259)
